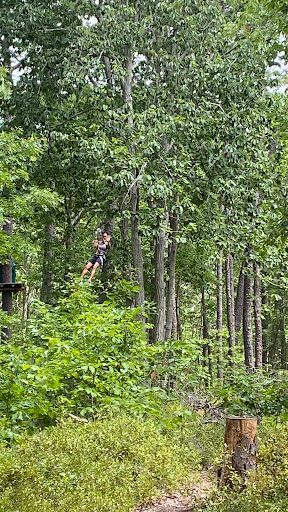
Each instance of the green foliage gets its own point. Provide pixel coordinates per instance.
(174, 363)
(196, 432)
(260, 393)
(272, 13)
(108, 465)
(187, 58)
(15, 153)
(5, 88)
(78, 356)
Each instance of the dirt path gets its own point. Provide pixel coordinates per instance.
(185, 503)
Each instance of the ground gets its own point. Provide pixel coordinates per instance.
(180, 502)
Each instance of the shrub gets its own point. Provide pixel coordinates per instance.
(79, 356)
(105, 466)
(259, 393)
(84, 357)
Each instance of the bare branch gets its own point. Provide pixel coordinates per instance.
(108, 71)
(132, 184)
(76, 418)
(77, 217)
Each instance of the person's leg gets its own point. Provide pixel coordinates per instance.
(85, 270)
(93, 271)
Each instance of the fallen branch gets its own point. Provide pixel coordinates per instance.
(76, 418)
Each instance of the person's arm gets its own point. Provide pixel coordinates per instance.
(95, 244)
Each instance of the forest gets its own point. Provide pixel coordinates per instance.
(157, 129)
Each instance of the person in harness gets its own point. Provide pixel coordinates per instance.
(97, 261)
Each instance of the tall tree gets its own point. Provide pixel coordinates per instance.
(239, 304)
(247, 319)
(230, 304)
(171, 320)
(219, 319)
(257, 317)
(160, 285)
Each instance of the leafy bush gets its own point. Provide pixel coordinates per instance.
(104, 466)
(79, 356)
(174, 362)
(84, 357)
(259, 393)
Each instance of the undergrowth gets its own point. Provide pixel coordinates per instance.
(113, 464)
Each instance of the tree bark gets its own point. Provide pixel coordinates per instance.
(160, 296)
(171, 322)
(241, 447)
(273, 349)
(125, 243)
(239, 305)
(283, 336)
(7, 267)
(126, 85)
(26, 303)
(109, 224)
(46, 293)
(230, 305)
(178, 318)
(247, 321)
(207, 361)
(137, 245)
(257, 317)
(137, 252)
(7, 298)
(264, 329)
(108, 72)
(219, 319)
(205, 330)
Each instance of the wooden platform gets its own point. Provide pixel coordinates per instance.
(12, 287)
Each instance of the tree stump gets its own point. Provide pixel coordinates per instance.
(240, 448)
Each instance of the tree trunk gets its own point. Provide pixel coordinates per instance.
(160, 297)
(137, 245)
(273, 349)
(46, 293)
(27, 292)
(219, 320)
(283, 336)
(264, 329)
(239, 305)
(178, 318)
(257, 317)
(109, 224)
(230, 305)
(205, 331)
(126, 85)
(171, 322)
(205, 334)
(247, 322)
(241, 447)
(125, 243)
(26, 303)
(7, 298)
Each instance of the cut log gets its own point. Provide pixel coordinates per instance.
(240, 448)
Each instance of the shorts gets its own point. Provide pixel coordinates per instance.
(97, 259)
